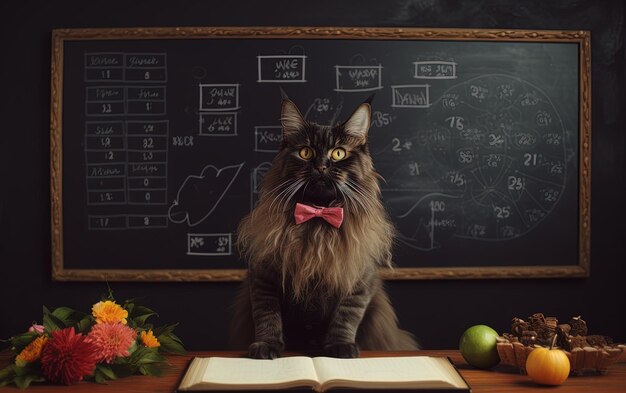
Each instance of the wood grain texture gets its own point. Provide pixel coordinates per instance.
(500, 379)
(319, 33)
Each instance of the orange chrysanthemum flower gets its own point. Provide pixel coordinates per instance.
(32, 351)
(148, 339)
(109, 312)
(112, 340)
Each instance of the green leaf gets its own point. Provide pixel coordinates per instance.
(151, 356)
(145, 355)
(99, 378)
(122, 368)
(133, 347)
(24, 381)
(6, 375)
(21, 341)
(85, 324)
(109, 296)
(106, 371)
(51, 322)
(102, 373)
(140, 314)
(65, 314)
(153, 369)
(24, 376)
(164, 329)
(171, 343)
(129, 307)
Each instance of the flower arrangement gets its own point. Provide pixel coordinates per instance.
(111, 342)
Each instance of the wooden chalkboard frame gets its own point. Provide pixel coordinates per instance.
(582, 38)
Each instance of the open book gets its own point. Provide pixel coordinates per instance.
(322, 373)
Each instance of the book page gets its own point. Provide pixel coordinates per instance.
(422, 371)
(246, 372)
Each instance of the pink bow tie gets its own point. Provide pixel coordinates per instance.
(332, 215)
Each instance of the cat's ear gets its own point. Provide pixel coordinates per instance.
(291, 118)
(359, 122)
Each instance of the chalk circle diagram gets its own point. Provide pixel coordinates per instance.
(492, 160)
(199, 195)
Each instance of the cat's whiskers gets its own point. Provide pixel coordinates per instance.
(287, 198)
(296, 190)
(304, 189)
(294, 184)
(276, 189)
(284, 196)
(359, 195)
(346, 199)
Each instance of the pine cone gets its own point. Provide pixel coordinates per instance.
(564, 341)
(518, 327)
(579, 326)
(552, 322)
(536, 320)
(599, 341)
(564, 329)
(578, 342)
(529, 338)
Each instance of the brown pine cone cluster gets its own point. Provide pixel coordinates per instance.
(584, 351)
(540, 330)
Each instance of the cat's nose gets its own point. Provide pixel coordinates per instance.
(321, 168)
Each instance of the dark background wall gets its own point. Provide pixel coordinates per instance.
(436, 311)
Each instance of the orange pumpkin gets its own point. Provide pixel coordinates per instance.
(547, 366)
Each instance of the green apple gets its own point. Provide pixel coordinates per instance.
(478, 346)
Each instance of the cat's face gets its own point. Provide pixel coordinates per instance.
(327, 165)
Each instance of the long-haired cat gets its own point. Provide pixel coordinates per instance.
(312, 281)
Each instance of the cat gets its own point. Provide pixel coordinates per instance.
(315, 285)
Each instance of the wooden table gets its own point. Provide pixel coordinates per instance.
(501, 379)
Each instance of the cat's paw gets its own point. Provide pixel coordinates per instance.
(342, 350)
(264, 350)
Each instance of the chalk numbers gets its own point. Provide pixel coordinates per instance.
(437, 206)
(502, 212)
(397, 145)
(515, 183)
(381, 119)
(488, 163)
(456, 122)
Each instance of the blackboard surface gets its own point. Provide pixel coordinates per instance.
(164, 142)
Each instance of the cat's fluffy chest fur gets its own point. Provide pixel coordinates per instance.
(312, 282)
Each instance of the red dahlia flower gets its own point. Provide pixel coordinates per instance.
(68, 357)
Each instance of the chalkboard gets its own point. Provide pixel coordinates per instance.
(160, 137)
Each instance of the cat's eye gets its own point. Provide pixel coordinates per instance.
(306, 153)
(338, 154)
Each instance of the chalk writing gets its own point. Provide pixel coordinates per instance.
(435, 70)
(267, 139)
(358, 78)
(410, 96)
(281, 68)
(209, 244)
(210, 186)
(218, 124)
(219, 97)
(492, 148)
